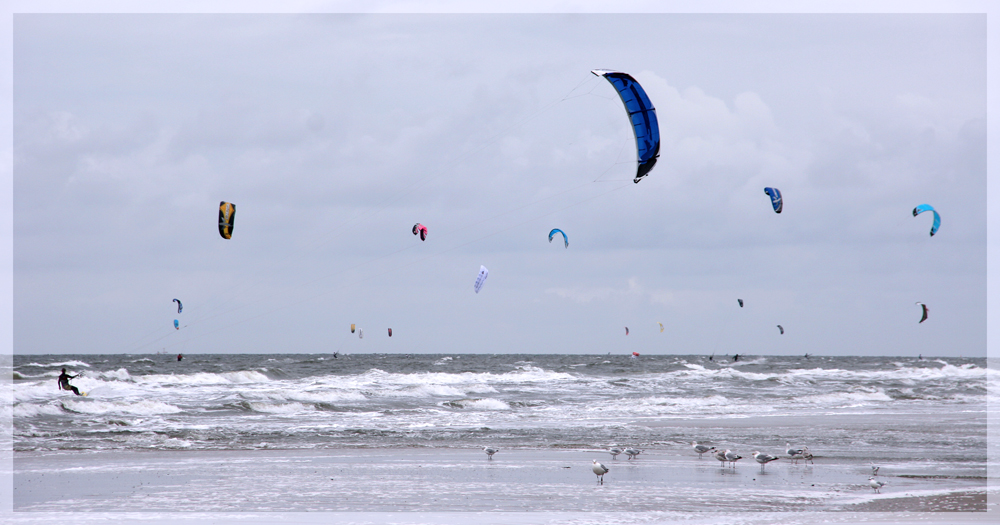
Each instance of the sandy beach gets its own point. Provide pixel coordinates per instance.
(462, 481)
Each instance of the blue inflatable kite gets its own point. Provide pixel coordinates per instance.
(937, 218)
(775, 198)
(565, 238)
(643, 116)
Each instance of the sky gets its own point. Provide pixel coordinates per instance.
(334, 133)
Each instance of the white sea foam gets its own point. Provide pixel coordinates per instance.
(140, 408)
(64, 363)
(33, 410)
(280, 408)
(204, 378)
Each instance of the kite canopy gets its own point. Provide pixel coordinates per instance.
(179, 305)
(781, 329)
(177, 324)
(661, 327)
(626, 330)
(227, 216)
(641, 112)
(390, 332)
(924, 307)
(361, 333)
(937, 218)
(352, 328)
(741, 302)
(775, 195)
(481, 279)
(421, 229)
(553, 233)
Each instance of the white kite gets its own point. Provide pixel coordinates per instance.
(483, 273)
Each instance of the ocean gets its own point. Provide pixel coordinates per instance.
(389, 433)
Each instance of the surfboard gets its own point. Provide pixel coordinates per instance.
(84, 394)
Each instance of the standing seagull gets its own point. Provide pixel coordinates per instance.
(490, 451)
(876, 485)
(732, 457)
(600, 470)
(701, 449)
(632, 452)
(614, 452)
(720, 455)
(793, 451)
(875, 470)
(806, 455)
(763, 459)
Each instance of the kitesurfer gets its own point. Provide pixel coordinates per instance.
(736, 357)
(64, 382)
(179, 357)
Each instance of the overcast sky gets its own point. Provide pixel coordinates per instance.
(334, 134)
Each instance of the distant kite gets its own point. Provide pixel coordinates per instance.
(661, 327)
(227, 216)
(177, 324)
(924, 316)
(937, 218)
(626, 330)
(781, 329)
(481, 278)
(741, 302)
(775, 198)
(390, 332)
(352, 328)
(420, 229)
(361, 333)
(565, 238)
(179, 305)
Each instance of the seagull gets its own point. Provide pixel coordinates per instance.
(875, 470)
(720, 455)
(876, 485)
(701, 449)
(490, 451)
(732, 457)
(793, 451)
(614, 452)
(600, 470)
(796, 457)
(763, 459)
(806, 455)
(632, 452)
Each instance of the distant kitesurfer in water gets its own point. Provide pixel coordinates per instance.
(920, 357)
(179, 357)
(736, 357)
(64, 382)
(711, 357)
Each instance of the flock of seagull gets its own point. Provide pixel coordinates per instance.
(724, 456)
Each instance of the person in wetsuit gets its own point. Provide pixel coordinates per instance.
(736, 357)
(64, 382)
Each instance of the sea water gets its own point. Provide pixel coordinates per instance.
(402, 424)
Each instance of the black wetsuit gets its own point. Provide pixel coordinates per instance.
(64, 383)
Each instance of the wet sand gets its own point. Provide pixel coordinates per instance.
(664, 480)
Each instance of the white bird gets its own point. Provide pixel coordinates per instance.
(632, 452)
(732, 457)
(875, 470)
(793, 451)
(876, 485)
(763, 459)
(600, 470)
(490, 451)
(720, 455)
(701, 449)
(614, 452)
